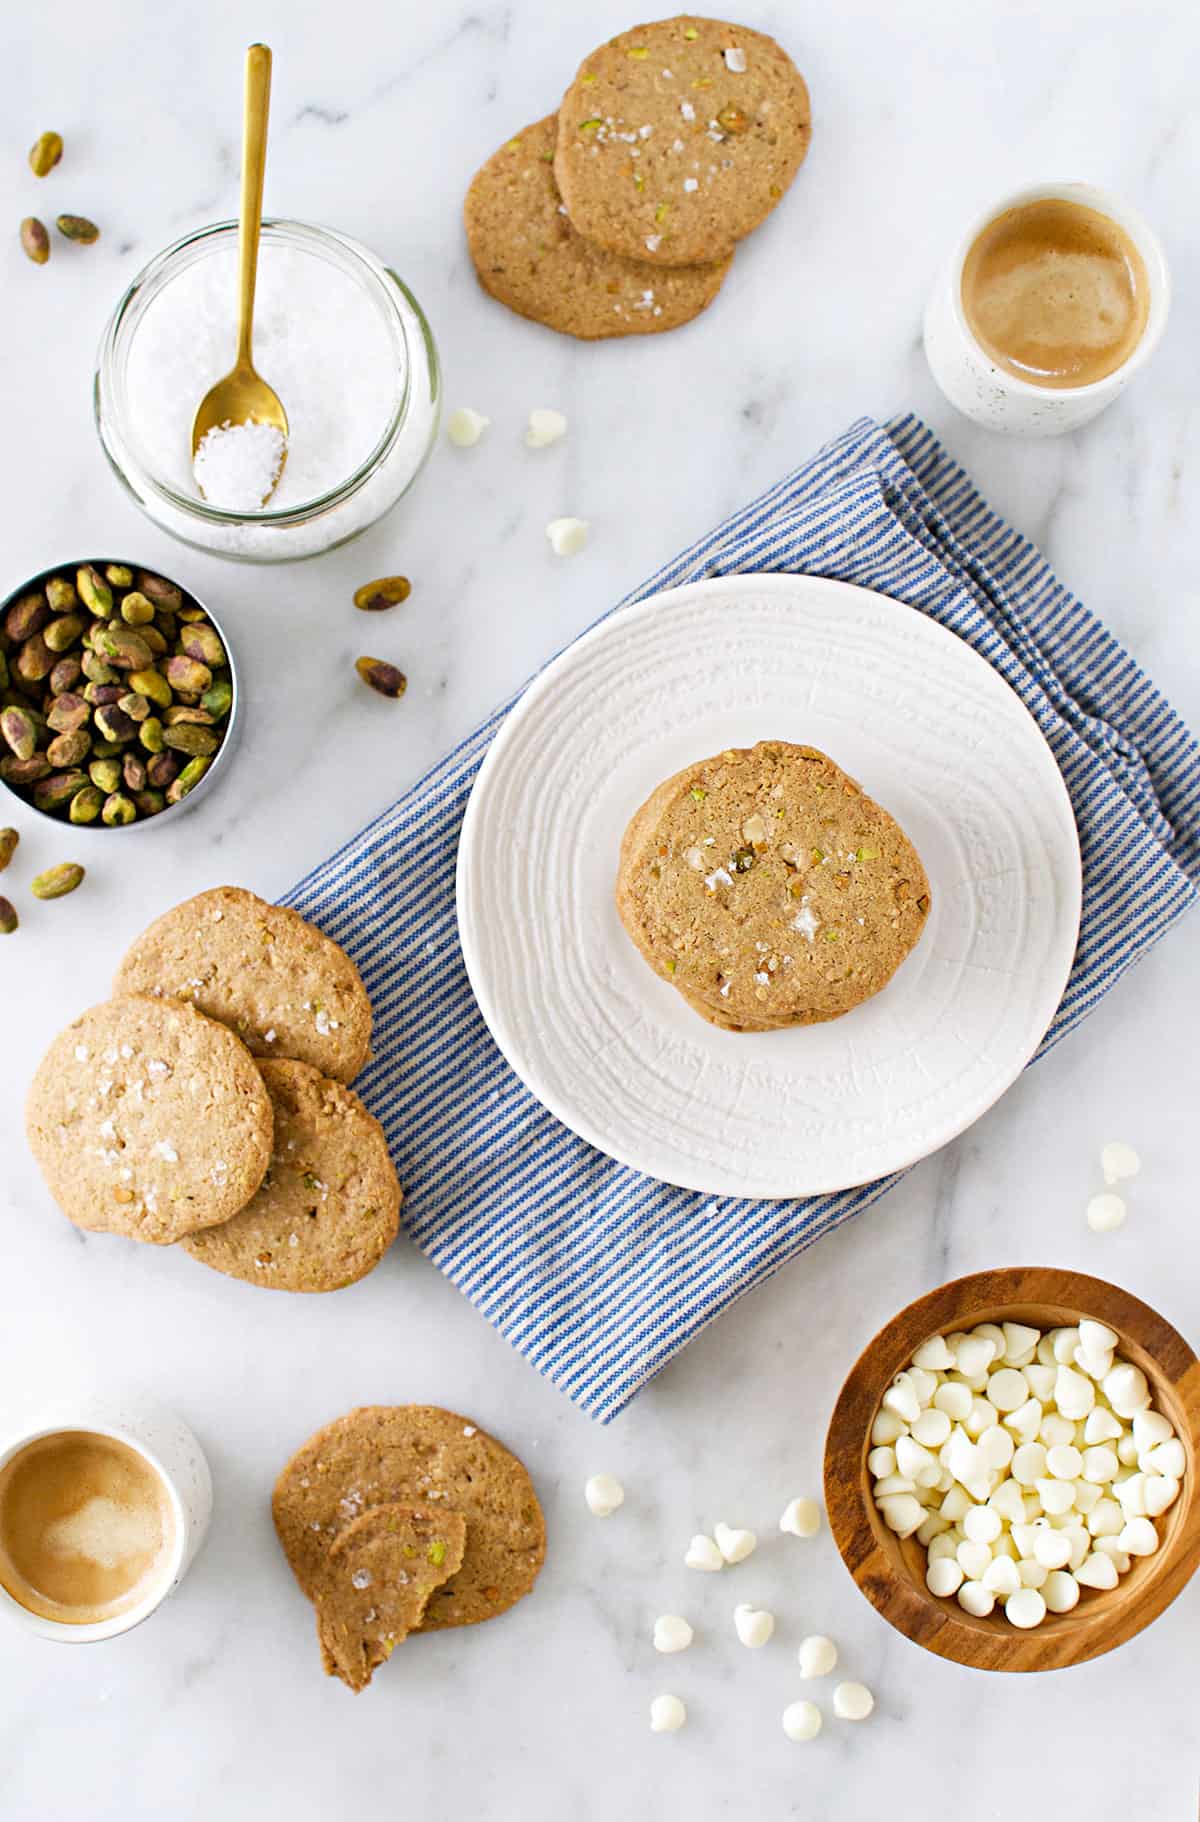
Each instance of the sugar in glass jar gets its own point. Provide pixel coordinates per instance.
(337, 334)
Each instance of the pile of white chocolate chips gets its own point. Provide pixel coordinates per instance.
(1031, 1466)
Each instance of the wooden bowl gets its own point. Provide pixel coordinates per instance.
(891, 1572)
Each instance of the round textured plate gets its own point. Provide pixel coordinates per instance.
(927, 728)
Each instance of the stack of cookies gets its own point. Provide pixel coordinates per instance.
(405, 1518)
(619, 214)
(206, 1102)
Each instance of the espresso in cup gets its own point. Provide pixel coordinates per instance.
(87, 1527)
(1056, 293)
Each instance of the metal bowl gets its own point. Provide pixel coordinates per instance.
(219, 766)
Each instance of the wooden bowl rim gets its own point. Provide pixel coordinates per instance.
(1096, 1625)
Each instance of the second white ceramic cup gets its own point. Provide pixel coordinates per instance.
(968, 375)
(171, 1449)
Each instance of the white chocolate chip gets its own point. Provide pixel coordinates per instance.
(667, 1714)
(567, 536)
(544, 427)
(852, 1701)
(464, 427)
(671, 1633)
(1119, 1162)
(753, 1625)
(817, 1656)
(702, 1554)
(735, 1546)
(801, 1721)
(1105, 1213)
(603, 1494)
(735, 60)
(801, 1517)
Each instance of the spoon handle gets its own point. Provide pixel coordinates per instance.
(254, 162)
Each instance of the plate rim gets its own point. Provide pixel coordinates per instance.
(770, 582)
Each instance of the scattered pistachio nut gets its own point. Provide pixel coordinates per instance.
(35, 240)
(382, 676)
(8, 917)
(45, 153)
(77, 228)
(56, 882)
(8, 846)
(376, 597)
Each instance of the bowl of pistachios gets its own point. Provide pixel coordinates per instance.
(119, 695)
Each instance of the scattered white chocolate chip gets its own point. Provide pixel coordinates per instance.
(817, 1656)
(702, 1554)
(567, 536)
(735, 1545)
(735, 59)
(1105, 1213)
(464, 427)
(544, 427)
(1119, 1162)
(667, 1714)
(603, 1494)
(671, 1633)
(852, 1701)
(801, 1721)
(801, 1517)
(753, 1625)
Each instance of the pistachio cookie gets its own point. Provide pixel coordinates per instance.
(676, 139)
(376, 1584)
(420, 1456)
(149, 1120)
(528, 256)
(329, 1206)
(284, 987)
(769, 889)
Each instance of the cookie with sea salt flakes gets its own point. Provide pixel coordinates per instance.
(329, 1206)
(676, 139)
(149, 1120)
(416, 1455)
(528, 256)
(280, 983)
(378, 1578)
(769, 889)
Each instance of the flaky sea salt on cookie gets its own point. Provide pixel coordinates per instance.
(676, 139)
(280, 983)
(527, 254)
(329, 1206)
(149, 1120)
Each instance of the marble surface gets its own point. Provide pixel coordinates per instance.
(217, 1706)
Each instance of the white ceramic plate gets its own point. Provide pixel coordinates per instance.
(928, 729)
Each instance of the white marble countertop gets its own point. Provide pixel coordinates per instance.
(381, 113)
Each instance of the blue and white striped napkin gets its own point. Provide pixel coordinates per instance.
(599, 1275)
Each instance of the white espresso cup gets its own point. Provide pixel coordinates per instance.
(170, 1449)
(999, 400)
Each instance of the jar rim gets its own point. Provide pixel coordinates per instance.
(352, 256)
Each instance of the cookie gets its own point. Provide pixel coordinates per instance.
(528, 256)
(769, 889)
(286, 989)
(148, 1119)
(676, 139)
(329, 1206)
(416, 1455)
(377, 1580)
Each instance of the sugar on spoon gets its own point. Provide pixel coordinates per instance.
(243, 397)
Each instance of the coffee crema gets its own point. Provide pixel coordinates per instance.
(87, 1527)
(1056, 293)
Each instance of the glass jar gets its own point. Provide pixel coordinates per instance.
(156, 468)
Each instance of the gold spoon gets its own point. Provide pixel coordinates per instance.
(243, 396)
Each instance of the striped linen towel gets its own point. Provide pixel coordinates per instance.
(599, 1275)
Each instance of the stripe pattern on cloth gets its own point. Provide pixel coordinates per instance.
(599, 1275)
